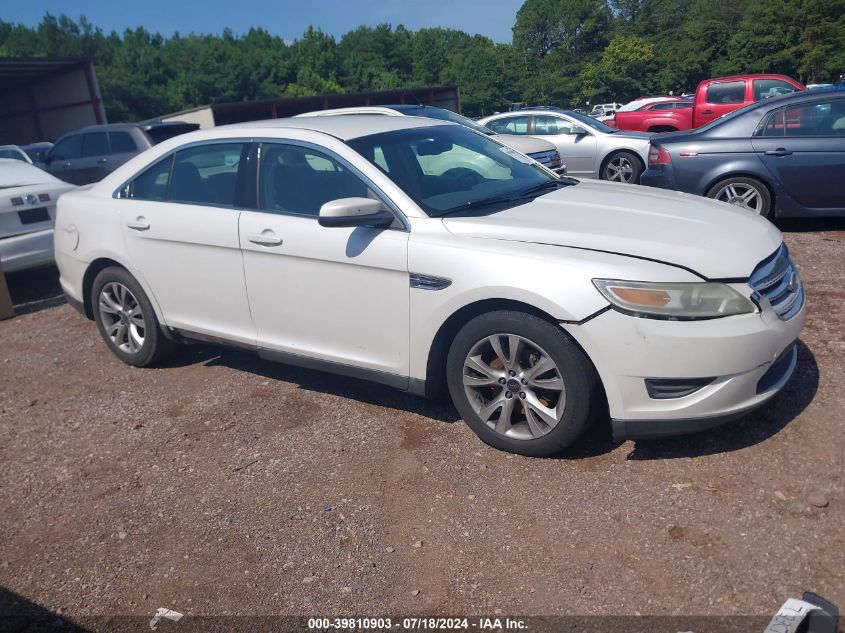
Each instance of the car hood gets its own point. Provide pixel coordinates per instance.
(525, 144)
(714, 239)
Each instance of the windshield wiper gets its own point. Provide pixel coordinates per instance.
(536, 190)
(530, 192)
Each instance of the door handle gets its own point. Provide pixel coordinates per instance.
(707, 112)
(103, 160)
(263, 239)
(139, 224)
(66, 164)
(780, 151)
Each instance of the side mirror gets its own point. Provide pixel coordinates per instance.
(577, 130)
(355, 212)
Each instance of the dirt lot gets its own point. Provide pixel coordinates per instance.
(222, 484)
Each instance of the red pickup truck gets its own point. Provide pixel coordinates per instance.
(713, 98)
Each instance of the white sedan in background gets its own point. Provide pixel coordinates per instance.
(538, 301)
(27, 209)
(589, 148)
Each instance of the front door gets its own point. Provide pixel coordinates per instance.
(338, 295)
(577, 151)
(804, 147)
(180, 226)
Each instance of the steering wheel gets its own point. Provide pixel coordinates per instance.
(465, 178)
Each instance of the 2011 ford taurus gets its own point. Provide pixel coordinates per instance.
(369, 246)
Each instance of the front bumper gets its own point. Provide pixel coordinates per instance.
(749, 358)
(29, 250)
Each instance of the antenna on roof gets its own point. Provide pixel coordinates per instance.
(416, 98)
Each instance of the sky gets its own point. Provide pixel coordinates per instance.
(285, 18)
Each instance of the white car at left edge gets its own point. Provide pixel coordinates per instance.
(27, 213)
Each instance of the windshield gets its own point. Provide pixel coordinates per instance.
(449, 169)
(448, 115)
(591, 122)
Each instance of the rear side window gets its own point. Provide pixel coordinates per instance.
(122, 143)
(200, 175)
(207, 174)
(68, 148)
(95, 144)
(510, 125)
(299, 180)
(663, 106)
(153, 183)
(726, 92)
(767, 88)
(774, 124)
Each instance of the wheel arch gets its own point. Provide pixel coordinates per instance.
(102, 262)
(619, 150)
(435, 379)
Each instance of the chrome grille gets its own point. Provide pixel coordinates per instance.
(550, 159)
(777, 280)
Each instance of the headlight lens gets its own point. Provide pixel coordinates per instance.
(674, 301)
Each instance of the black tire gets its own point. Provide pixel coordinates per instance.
(719, 191)
(155, 345)
(619, 173)
(577, 374)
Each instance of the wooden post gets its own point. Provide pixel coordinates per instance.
(7, 311)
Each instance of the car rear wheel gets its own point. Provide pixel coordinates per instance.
(748, 193)
(520, 383)
(622, 167)
(126, 319)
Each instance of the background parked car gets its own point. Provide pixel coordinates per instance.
(37, 152)
(542, 151)
(780, 157)
(589, 148)
(27, 213)
(87, 155)
(663, 114)
(14, 152)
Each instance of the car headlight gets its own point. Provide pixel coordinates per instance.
(674, 301)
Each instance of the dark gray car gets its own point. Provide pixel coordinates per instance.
(784, 156)
(89, 154)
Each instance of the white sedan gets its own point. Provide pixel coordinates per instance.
(27, 208)
(536, 300)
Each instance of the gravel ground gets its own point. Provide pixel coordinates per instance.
(223, 484)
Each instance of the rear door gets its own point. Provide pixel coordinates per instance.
(803, 146)
(577, 151)
(719, 98)
(123, 147)
(64, 160)
(95, 157)
(180, 228)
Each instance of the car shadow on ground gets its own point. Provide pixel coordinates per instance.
(808, 225)
(35, 290)
(19, 614)
(748, 431)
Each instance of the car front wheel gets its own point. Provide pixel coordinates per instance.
(520, 383)
(126, 319)
(622, 167)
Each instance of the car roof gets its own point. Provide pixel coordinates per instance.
(343, 127)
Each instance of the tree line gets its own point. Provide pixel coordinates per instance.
(563, 52)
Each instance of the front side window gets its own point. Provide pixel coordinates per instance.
(299, 180)
(545, 125)
(95, 144)
(450, 169)
(726, 92)
(767, 88)
(68, 148)
(510, 125)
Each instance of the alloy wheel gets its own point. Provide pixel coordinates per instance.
(122, 317)
(514, 386)
(619, 169)
(741, 194)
